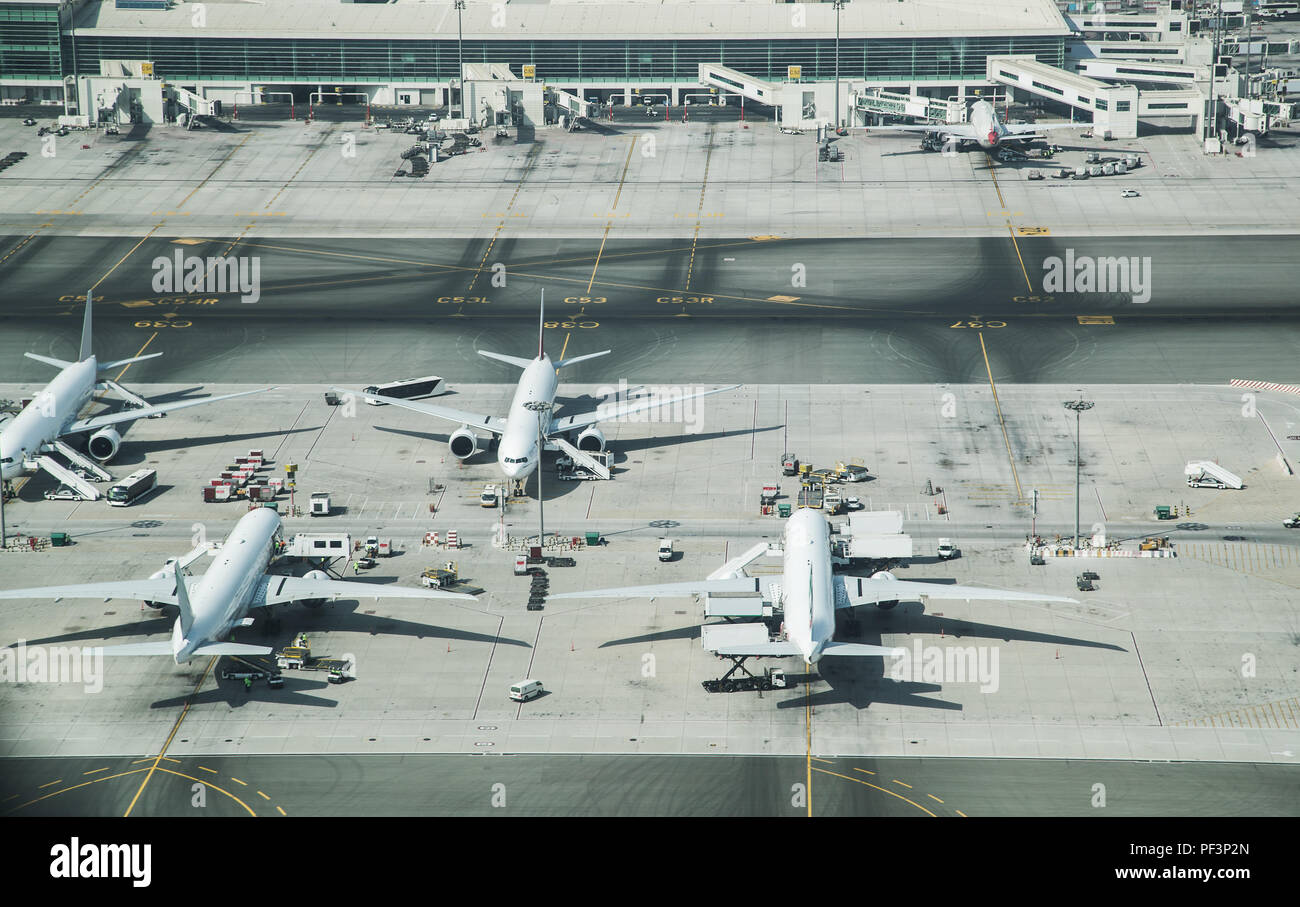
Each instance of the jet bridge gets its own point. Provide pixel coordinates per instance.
(1112, 107)
(876, 101)
(724, 78)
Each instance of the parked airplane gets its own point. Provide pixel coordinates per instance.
(28, 438)
(809, 592)
(517, 453)
(214, 604)
(982, 127)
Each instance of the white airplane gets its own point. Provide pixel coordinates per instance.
(517, 453)
(27, 438)
(982, 127)
(810, 593)
(219, 601)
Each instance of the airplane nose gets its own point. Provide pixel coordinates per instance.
(993, 138)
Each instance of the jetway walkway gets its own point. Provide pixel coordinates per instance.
(724, 78)
(886, 103)
(573, 105)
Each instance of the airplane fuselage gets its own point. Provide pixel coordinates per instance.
(517, 452)
(809, 597)
(43, 420)
(225, 593)
(986, 125)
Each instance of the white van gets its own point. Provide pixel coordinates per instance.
(525, 690)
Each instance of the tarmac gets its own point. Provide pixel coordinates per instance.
(923, 342)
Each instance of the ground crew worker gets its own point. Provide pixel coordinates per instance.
(248, 684)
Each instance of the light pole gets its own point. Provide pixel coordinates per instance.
(460, 60)
(839, 5)
(1078, 406)
(542, 408)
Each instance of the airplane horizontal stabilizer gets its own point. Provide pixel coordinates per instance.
(139, 648)
(49, 360)
(109, 366)
(230, 648)
(857, 648)
(508, 360)
(574, 360)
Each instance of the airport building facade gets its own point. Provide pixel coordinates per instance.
(409, 52)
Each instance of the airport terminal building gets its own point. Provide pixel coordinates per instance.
(409, 51)
(538, 63)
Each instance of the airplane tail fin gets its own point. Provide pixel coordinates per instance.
(86, 351)
(183, 602)
(575, 359)
(541, 326)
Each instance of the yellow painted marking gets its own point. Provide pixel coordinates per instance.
(94, 771)
(601, 251)
(779, 298)
(280, 809)
(1020, 258)
(1033, 231)
(237, 781)
(175, 727)
(138, 353)
(189, 242)
(1020, 496)
(562, 349)
(960, 813)
(220, 164)
(206, 769)
(263, 796)
(827, 761)
(766, 237)
(1096, 319)
(695, 238)
(934, 798)
(51, 784)
(908, 786)
(864, 771)
(807, 712)
(881, 789)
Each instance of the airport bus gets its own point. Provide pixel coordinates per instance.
(1279, 10)
(133, 487)
(406, 389)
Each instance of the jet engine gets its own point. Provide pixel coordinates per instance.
(103, 444)
(315, 575)
(464, 443)
(889, 603)
(592, 440)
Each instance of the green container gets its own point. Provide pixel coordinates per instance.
(593, 538)
(59, 539)
(1162, 513)
(783, 510)
(272, 505)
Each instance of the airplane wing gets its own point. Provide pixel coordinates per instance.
(130, 415)
(1022, 130)
(738, 586)
(858, 590)
(279, 590)
(494, 424)
(152, 590)
(957, 130)
(626, 407)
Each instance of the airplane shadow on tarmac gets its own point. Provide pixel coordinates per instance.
(859, 682)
